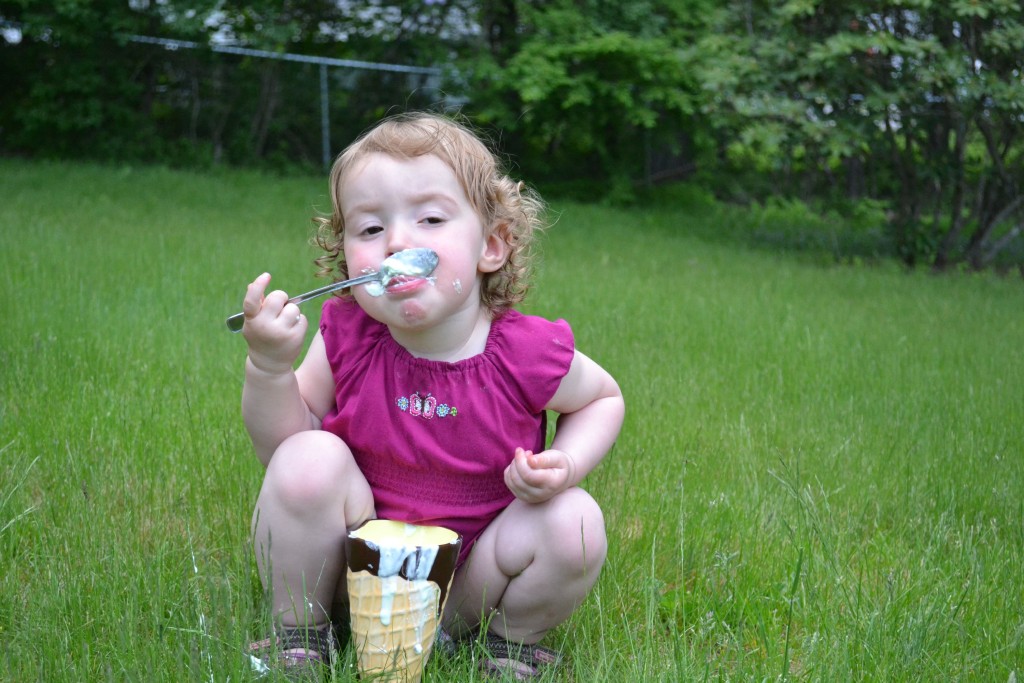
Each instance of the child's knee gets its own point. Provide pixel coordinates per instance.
(309, 470)
(576, 531)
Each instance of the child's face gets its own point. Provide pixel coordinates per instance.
(390, 204)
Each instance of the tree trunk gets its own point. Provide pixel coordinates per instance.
(270, 97)
(500, 20)
(943, 254)
(980, 251)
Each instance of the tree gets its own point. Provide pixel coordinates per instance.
(919, 103)
(80, 96)
(91, 91)
(584, 85)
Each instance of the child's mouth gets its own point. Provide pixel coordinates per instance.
(403, 284)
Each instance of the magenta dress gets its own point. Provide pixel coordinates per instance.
(433, 438)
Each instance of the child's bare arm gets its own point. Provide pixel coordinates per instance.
(591, 410)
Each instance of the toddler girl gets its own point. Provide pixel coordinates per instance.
(425, 403)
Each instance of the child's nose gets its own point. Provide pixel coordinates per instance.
(399, 238)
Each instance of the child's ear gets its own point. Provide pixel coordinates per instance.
(495, 251)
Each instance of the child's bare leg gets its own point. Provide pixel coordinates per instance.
(531, 568)
(312, 493)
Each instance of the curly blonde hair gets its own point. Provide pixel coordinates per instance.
(504, 206)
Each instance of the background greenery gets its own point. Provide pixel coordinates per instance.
(819, 477)
(907, 115)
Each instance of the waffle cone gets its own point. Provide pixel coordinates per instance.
(393, 625)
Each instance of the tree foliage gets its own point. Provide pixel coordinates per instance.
(97, 93)
(586, 86)
(919, 103)
(917, 106)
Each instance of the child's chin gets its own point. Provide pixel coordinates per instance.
(414, 313)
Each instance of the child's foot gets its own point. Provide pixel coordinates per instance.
(304, 652)
(514, 661)
(445, 644)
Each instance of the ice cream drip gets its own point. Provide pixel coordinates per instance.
(417, 563)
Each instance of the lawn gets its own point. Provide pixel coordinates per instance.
(820, 476)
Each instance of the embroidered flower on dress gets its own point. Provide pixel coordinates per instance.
(425, 406)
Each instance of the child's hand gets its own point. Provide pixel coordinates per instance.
(535, 478)
(274, 329)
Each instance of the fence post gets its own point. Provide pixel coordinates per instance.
(325, 119)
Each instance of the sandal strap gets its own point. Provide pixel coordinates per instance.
(534, 656)
(312, 644)
(320, 640)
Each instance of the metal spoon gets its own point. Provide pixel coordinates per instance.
(407, 263)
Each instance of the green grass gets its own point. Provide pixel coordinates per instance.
(820, 477)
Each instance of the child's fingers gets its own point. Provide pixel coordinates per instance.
(291, 314)
(275, 302)
(518, 471)
(521, 463)
(542, 461)
(535, 469)
(513, 467)
(253, 301)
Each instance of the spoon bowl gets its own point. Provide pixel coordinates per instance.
(405, 263)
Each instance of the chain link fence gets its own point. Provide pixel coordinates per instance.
(199, 81)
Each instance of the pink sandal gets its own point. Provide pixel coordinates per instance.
(298, 648)
(508, 659)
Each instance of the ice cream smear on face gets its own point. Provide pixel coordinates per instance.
(372, 288)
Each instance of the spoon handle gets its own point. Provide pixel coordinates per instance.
(236, 321)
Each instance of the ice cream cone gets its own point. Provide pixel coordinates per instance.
(398, 579)
(394, 622)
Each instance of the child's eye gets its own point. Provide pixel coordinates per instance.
(372, 230)
(433, 220)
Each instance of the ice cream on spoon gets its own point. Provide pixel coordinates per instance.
(407, 264)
